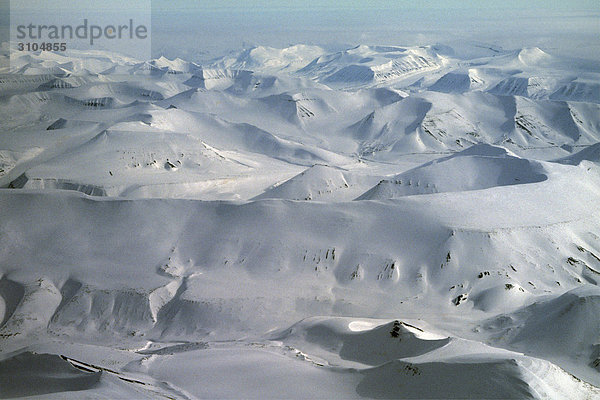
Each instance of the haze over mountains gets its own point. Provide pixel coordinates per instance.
(380, 222)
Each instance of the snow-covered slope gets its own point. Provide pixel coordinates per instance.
(478, 167)
(372, 65)
(381, 222)
(321, 183)
(269, 59)
(590, 153)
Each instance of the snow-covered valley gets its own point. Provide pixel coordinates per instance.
(379, 222)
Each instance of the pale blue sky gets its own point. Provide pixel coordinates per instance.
(358, 4)
(202, 29)
(481, 6)
(571, 27)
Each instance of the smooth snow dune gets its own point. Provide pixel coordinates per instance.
(567, 326)
(251, 371)
(533, 56)
(479, 167)
(321, 183)
(40, 374)
(563, 329)
(30, 374)
(379, 344)
(589, 153)
(527, 58)
(494, 378)
(224, 370)
(242, 136)
(437, 380)
(498, 297)
(457, 82)
(126, 161)
(397, 359)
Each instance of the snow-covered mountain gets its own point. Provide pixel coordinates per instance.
(479, 167)
(383, 221)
